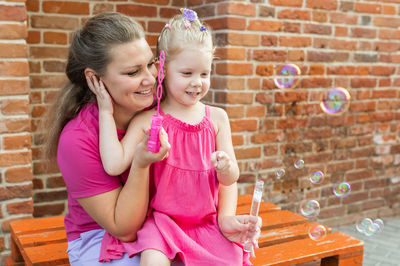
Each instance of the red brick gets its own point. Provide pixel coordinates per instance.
(13, 107)
(262, 138)
(17, 191)
(237, 69)
(237, 140)
(20, 207)
(55, 37)
(13, 31)
(363, 33)
(13, 50)
(232, 23)
(49, 52)
(322, 4)
(341, 70)
(47, 81)
(33, 37)
(320, 16)
(343, 45)
(386, 46)
(242, 39)
(368, 8)
(292, 3)
(14, 87)
(265, 25)
(102, 7)
(32, 5)
(61, 7)
(269, 55)
(363, 83)
(244, 125)
(295, 41)
(265, 70)
(247, 153)
(54, 22)
(234, 97)
(49, 209)
(256, 111)
(14, 69)
(13, 13)
(391, 22)
(18, 174)
(230, 53)
(294, 14)
(230, 8)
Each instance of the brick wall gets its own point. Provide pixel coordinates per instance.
(15, 138)
(353, 44)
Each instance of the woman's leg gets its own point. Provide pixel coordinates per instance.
(150, 257)
(85, 251)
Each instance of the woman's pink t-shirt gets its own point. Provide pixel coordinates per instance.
(78, 158)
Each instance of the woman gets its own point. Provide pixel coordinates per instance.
(110, 48)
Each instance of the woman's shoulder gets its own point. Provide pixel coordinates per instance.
(84, 126)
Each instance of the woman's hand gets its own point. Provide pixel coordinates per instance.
(221, 161)
(104, 100)
(239, 228)
(143, 158)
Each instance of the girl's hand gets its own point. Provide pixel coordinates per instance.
(241, 227)
(220, 161)
(143, 158)
(104, 100)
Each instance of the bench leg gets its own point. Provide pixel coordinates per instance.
(15, 252)
(344, 260)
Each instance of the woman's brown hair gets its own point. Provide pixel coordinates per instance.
(90, 48)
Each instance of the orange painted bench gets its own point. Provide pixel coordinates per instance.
(284, 240)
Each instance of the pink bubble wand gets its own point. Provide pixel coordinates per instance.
(156, 120)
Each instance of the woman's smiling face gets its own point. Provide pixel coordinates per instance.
(130, 77)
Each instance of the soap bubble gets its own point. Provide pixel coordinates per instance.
(288, 77)
(317, 177)
(280, 173)
(299, 164)
(362, 224)
(336, 101)
(379, 223)
(342, 189)
(371, 229)
(317, 232)
(309, 208)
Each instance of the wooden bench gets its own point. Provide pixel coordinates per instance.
(284, 240)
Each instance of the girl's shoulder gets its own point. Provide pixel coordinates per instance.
(143, 119)
(218, 117)
(218, 114)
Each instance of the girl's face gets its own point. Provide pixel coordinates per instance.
(130, 78)
(187, 77)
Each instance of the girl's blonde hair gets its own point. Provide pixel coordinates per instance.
(180, 33)
(90, 48)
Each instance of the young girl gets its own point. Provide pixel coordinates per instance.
(182, 221)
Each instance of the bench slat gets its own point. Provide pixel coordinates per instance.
(304, 250)
(279, 219)
(285, 234)
(264, 207)
(37, 225)
(43, 238)
(52, 254)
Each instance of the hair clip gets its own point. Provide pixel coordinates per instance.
(202, 28)
(189, 14)
(167, 26)
(187, 25)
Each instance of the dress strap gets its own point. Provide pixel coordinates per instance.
(207, 111)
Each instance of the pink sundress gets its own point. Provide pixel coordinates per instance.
(182, 218)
